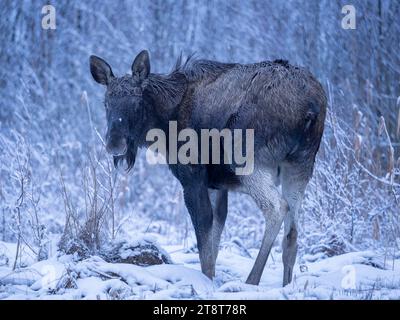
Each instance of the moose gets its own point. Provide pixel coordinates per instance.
(285, 106)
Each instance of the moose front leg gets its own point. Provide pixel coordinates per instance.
(219, 203)
(198, 204)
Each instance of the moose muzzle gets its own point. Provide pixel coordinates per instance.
(116, 146)
(116, 143)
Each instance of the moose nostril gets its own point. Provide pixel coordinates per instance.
(117, 147)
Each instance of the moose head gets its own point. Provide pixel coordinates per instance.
(125, 104)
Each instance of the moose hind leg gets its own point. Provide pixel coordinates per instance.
(261, 187)
(219, 201)
(289, 246)
(294, 181)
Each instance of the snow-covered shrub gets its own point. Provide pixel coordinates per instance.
(354, 194)
(89, 226)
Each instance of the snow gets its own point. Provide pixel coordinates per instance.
(355, 275)
(7, 254)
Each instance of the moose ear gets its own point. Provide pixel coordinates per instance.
(100, 70)
(141, 66)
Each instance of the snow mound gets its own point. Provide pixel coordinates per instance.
(354, 275)
(141, 252)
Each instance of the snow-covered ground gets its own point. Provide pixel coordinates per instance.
(356, 275)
